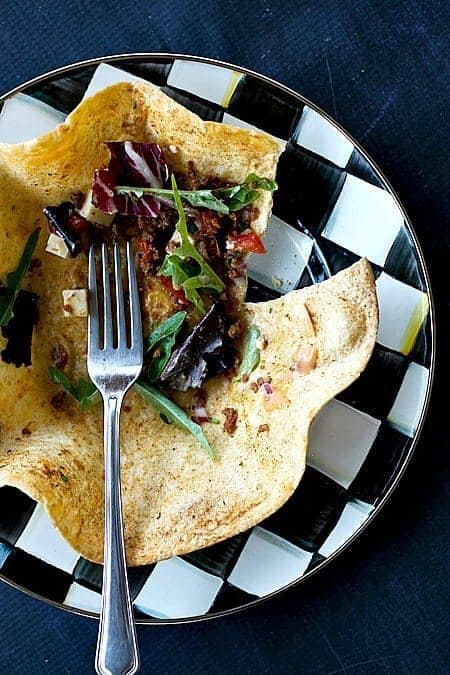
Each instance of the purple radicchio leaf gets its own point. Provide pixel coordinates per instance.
(135, 164)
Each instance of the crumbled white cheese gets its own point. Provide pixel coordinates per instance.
(173, 149)
(57, 246)
(75, 302)
(93, 214)
(174, 242)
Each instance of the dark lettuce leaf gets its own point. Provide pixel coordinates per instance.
(136, 164)
(19, 331)
(206, 351)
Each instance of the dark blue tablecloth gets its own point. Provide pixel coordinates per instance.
(381, 69)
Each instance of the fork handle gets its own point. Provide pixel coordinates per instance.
(117, 652)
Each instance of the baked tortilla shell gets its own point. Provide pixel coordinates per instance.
(175, 498)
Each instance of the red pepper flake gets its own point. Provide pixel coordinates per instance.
(231, 417)
(77, 223)
(262, 428)
(58, 400)
(254, 387)
(35, 263)
(177, 293)
(26, 431)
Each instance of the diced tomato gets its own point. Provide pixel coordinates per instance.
(77, 223)
(176, 292)
(247, 241)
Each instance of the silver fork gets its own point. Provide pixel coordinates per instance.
(114, 362)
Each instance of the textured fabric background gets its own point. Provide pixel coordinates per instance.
(381, 69)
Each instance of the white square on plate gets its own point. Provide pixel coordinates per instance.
(176, 589)
(288, 251)
(267, 563)
(352, 517)
(236, 122)
(408, 406)
(83, 598)
(105, 75)
(317, 134)
(212, 83)
(403, 310)
(41, 539)
(339, 441)
(365, 220)
(24, 118)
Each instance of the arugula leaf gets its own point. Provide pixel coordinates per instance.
(82, 391)
(203, 198)
(175, 263)
(260, 182)
(164, 338)
(241, 195)
(251, 356)
(164, 406)
(222, 200)
(15, 279)
(167, 328)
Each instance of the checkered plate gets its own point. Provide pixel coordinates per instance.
(333, 206)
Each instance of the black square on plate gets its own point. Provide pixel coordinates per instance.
(64, 93)
(316, 560)
(90, 574)
(421, 352)
(205, 109)
(374, 392)
(380, 465)
(337, 257)
(257, 292)
(358, 166)
(311, 513)
(230, 597)
(402, 262)
(267, 107)
(219, 558)
(308, 188)
(156, 73)
(16, 509)
(37, 576)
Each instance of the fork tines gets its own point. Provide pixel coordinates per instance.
(113, 322)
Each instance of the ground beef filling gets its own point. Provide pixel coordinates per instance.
(231, 418)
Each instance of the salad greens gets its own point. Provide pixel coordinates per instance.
(222, 200)
(163, 338)
(82, 391)
(251, 356)
(173, 413)
(176, 265)
(14, 280)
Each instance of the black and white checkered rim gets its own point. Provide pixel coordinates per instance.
(224, 582)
